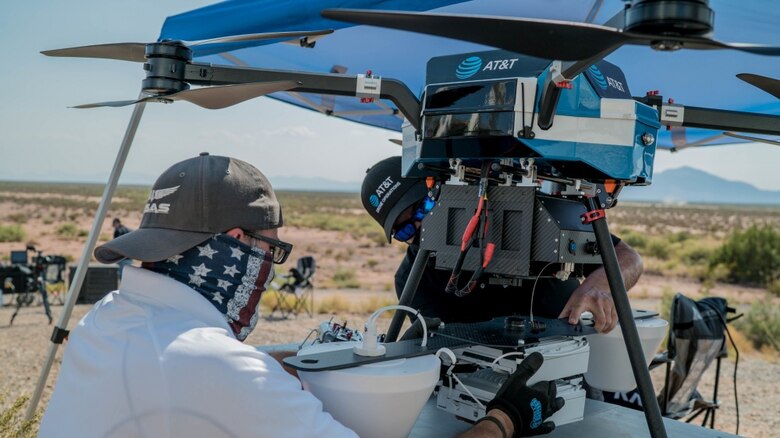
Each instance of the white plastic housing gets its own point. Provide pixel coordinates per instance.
(376, 400)
(609, 368)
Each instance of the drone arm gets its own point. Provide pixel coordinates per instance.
(320, 83)
(721, 120)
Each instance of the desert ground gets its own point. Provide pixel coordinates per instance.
(355, 275)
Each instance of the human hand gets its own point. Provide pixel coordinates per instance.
(595, 301)
(526, 406)
(416, 331)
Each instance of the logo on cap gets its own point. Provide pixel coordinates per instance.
(468, 67)
(153, 207)
(374, 200)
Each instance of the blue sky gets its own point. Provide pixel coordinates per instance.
(42, 139)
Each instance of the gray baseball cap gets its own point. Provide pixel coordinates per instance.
(192, 201)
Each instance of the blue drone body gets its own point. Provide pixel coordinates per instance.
(485, 106)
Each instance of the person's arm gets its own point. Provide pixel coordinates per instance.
(594, 295)
(521, 410)
(488, 429)
(280, 355)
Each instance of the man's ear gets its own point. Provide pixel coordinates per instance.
(236, 233)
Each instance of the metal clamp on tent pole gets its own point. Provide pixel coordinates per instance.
(58, 335)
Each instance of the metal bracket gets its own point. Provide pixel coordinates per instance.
(368, 86)
(58, 335)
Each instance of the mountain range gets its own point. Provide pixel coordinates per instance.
(684, 185)
(693, 186)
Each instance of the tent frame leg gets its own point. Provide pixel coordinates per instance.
(59, 331)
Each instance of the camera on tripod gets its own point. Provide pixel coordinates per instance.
(24, 272)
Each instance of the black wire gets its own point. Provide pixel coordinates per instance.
(736, 357)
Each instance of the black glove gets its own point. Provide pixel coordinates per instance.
(528, 406)
(416, 330)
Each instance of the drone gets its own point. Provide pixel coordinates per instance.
(542, 134)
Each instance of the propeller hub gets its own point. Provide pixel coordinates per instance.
(165, 67)
(670, 17)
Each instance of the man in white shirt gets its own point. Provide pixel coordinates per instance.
(163, 355)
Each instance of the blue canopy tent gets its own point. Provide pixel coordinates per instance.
(698, 78)
(690, 77)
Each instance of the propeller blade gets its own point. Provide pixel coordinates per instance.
(114, 104)
(228, 95)
(549, 39)
(771, 86)
(749, 138)
(208, 97)
(315, 34)
(120, 51)
(135, 51)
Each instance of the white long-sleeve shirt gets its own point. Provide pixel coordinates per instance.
(155, 359)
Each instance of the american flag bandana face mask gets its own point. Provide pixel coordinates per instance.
(230, 274)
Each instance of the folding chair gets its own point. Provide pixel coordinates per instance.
(696, 339)
(298, 285)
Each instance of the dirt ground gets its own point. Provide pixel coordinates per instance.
(23, 346)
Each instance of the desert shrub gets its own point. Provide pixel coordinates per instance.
(751, 256)
(17, 218)
(679, 237)
(12, 423)
(378, 237)
(373, 303)
(334, 303)
(371, 263)
(761, 325)
(69, 230)
(658, 248)
(667, 296)
(11, 233)
(634, 239)
(344, 278)
(774, 287)
(695, 254)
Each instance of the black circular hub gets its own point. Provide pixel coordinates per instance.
(166, 65)
(670, 18)
(514, 323)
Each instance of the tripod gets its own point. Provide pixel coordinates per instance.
(36, 281)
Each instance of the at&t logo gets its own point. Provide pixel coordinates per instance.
(468, 67)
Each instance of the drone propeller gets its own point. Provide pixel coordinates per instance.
(771, 86)
(135, 51)
(549, 39)
(209, 97)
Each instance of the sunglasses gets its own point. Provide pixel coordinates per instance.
(281, 250)
(408, 229)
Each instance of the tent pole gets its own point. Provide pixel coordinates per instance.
(81, 270)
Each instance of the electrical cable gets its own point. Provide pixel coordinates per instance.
(504, 356)
(533, 290)
(476, 232)
(451, 375)
(370, 346)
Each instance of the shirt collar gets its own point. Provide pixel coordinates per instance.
(147, 286)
